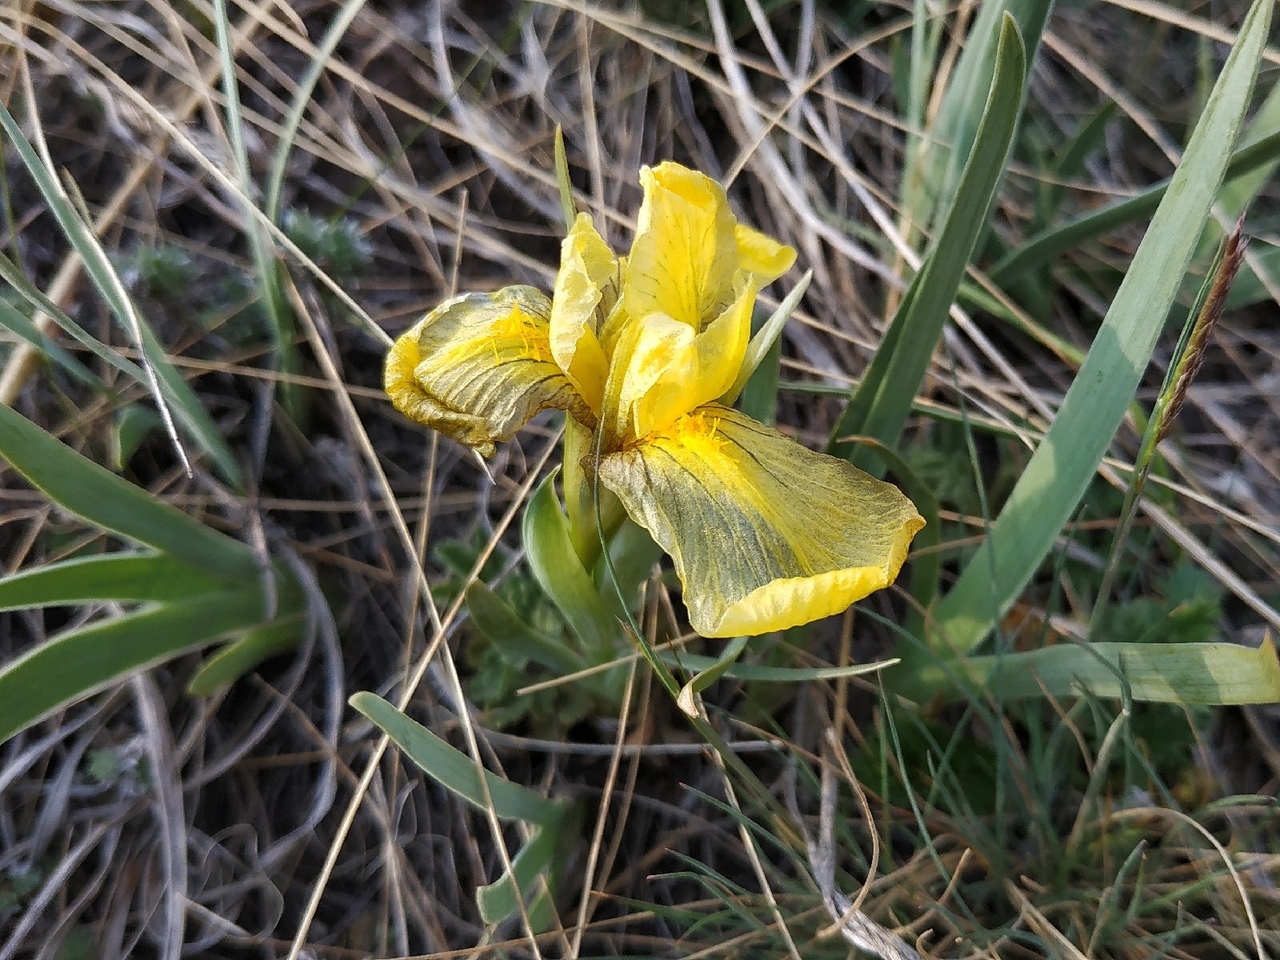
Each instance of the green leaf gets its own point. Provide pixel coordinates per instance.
(749, 671)
(1056, 477)
(1046, 246)
(959, 122)
(1186, 673)
(172, 393)
(560, 574)
(502, 626)
(133, 423)
(19, 324)
(240, 656)
(459, 774)
(766, 339)
(880, 405)
(709, 675)
(82, 661)
(453, 769)
(122, 578)
(100, 497)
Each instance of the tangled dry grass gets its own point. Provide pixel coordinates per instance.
(146, 823)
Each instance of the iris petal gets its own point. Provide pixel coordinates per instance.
(666, 369)
(479, 366)
(762, 257)
(585, 293)
(765, 534)
(684, 259)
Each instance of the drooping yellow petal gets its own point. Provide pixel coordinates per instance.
(479, 366)
(763, 257)
(684, 259)
(585, 293)
(765, 534)
(667, 369)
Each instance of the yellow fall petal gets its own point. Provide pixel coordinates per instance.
(585, 294)
(683, 261)
(479, 366)
(765, 534)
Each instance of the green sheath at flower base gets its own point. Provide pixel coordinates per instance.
(764, 533)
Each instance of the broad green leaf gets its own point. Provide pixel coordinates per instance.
(119, 577)
(880, 405)
(98, 496)
(456, 772)
(560, 574)
(1063, 465)
(1188, 673)
(172, 393)
(503, 626)
(453, 769)
(82, 661)
(240, 656)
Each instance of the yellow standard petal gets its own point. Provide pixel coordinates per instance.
(586, 292)
(663, 369)
(479, 366)
(684, 259)
(762, 257)
(765, 534)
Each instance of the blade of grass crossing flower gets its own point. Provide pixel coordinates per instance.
(882, 401)
(100, 497)
(456, 772)
(1046, 495)
(563, 182)
(173, 396)
(120, 577)
(708, 675)
(763, 342)
(1189, 673)
(960, 116)
(85, 660)
(766, 674)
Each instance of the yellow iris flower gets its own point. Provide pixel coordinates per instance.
(643, 353)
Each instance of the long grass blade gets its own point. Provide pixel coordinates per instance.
(882, 401)
(80, 662)
(120, 578)
(173, 396)
(1062, 466)
(1188, 673)
(99, 496)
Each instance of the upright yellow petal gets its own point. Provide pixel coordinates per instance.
(479, 366)
(585, 293)
(765, 534)
(763, 257)
(683, 261)
(667, 369)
